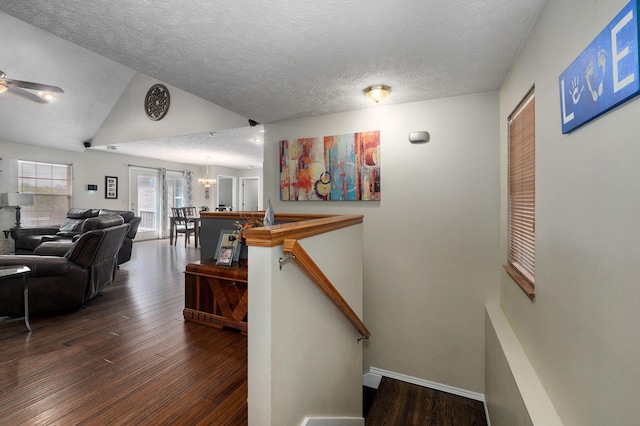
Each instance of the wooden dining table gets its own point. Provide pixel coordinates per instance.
(172, 228)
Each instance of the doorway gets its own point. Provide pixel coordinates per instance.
(250, 196)
(145, 195)
(226, 192)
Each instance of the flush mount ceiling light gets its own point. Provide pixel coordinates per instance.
(377, 93)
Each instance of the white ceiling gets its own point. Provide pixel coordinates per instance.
(240, 148)
(266, 60)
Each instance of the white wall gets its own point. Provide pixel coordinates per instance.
(440, 209)
(514, 394)
(304, 357)
(214, 171)
(92, 167)
(188, 114)
(581, 334)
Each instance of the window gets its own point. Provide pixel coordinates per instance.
(175, 189)
(522, 195)
(51, 186)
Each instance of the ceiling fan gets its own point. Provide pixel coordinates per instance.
(42, 91)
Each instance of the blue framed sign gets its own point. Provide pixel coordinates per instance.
(605, 74)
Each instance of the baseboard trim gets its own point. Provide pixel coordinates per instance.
(371, 380)
(428, 384)
(333, 421)
(486, 411)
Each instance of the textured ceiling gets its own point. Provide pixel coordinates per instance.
(92, 83)
(239, 148)
(272, 60)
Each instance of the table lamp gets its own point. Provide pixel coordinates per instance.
(14, 199)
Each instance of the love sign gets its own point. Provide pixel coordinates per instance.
(605, 74)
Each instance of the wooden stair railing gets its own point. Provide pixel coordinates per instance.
(300, 257)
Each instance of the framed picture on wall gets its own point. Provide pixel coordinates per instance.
(111, 187)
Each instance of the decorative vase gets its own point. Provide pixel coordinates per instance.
(244, 253)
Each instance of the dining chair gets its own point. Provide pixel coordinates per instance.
(182, 224)
(190, 211)
(192, 214)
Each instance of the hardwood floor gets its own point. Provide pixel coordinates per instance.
(400, 403)
(130, 358)
(127, 358)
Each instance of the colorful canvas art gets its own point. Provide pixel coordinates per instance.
(333, 168)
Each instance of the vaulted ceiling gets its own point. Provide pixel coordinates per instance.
(266, 60)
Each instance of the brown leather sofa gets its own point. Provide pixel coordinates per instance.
(27, 239)
(61, 283)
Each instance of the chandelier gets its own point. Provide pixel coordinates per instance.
(207, 181)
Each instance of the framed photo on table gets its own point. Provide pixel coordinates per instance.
(111, 187)
(225, 257)
(228, 238)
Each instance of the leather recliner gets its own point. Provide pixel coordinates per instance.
(61, 283)
(27, 239)
(124, 255)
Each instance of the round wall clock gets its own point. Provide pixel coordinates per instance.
(156, 102)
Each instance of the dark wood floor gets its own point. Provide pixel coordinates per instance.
(130, 358)
(400, 403)
(127, 358)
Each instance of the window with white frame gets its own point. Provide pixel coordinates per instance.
(175, 189)
(522, 195)
(50, 185)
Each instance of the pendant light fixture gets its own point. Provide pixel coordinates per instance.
(206, 181)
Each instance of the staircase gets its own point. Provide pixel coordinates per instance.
(400, 403)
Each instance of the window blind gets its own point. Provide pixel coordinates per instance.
(51, 186)
(522, 189)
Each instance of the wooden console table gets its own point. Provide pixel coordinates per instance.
(216, 296)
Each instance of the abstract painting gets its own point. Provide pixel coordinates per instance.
(331, 168)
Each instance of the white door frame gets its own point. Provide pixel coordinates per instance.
(234, 191)
(259, 185)
(133, 201)
(242, 182)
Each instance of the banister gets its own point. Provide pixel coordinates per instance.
(290, 225)
(300, 257)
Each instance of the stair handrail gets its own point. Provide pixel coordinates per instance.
(297, 254)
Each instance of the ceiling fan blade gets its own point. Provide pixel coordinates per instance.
(28, 95)
(35, 86)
